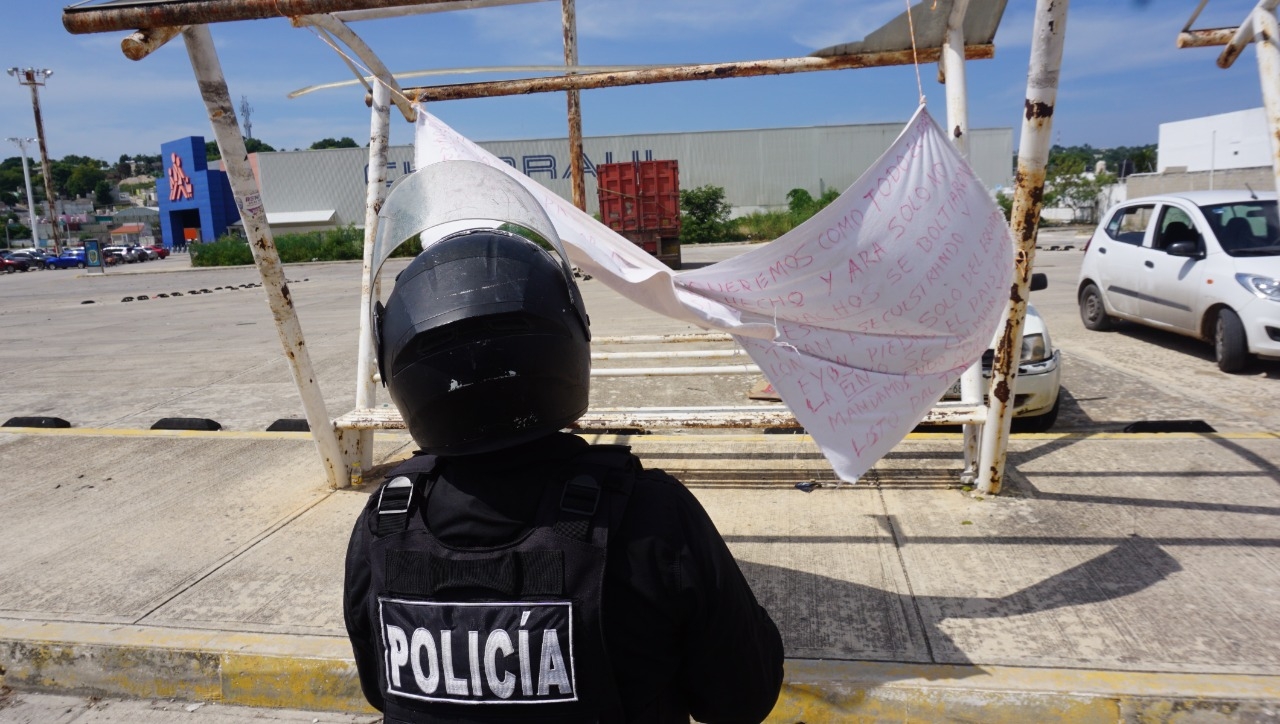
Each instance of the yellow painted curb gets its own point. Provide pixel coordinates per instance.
(247, 669)
(818, 692)
(317, 673)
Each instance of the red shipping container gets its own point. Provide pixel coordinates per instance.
(640, 196)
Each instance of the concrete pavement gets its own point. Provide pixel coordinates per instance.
(1121, 577)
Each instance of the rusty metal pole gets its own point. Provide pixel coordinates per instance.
(680, 73)
(1260, 27)
(570, 22)
(1047, 38)
(953, 76)
(33, 78)
(235, 161)
(361, 458)
(1243, 34)
(1267, 42)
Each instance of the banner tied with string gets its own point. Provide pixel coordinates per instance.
(861, 317)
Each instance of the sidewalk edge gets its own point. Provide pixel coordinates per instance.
(317, 673)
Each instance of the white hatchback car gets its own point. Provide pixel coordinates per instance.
(1037, 388)
(1202, 263)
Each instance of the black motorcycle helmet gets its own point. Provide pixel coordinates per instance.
(484, 344)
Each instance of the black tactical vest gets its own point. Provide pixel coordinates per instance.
(505, 633)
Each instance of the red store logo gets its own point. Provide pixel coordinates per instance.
(179, 182)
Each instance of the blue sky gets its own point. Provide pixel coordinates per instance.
(1122, 74)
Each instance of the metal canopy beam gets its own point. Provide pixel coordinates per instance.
(122, 15)
(1260, 28)
(931, 21)
(677, 73)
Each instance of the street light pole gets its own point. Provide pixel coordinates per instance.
(31, 199)
(33, 78)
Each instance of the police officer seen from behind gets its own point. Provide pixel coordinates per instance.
(512, 572)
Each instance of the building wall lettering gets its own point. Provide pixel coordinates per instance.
(533, 165)
(405, 168)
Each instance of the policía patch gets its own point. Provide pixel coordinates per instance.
(479, 653)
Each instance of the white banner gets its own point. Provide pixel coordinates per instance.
(861, 317)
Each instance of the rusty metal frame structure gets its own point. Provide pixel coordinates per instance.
(1260, 28)
(345, 443)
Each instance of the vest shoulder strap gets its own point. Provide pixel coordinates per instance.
(400, 493)
(600, 465)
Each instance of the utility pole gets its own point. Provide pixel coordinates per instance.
(33, 78)
(31, 199)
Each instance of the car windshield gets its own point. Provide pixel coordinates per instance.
(1245, 228)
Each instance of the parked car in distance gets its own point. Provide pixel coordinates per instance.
(159, 251)
(127, 254)
(145, 253)
(34, 257)
(14, 263)
(1205, 264)
(67, 259)
(1038, 386)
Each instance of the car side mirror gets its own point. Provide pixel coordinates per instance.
(1188, 249)
(1039, 280)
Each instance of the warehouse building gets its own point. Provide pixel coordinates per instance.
(324, 189)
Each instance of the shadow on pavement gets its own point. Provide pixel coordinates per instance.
(822, 617)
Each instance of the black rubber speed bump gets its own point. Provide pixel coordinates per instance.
(289, 424)
(186, 423)
(1169, 426)
(49, 422)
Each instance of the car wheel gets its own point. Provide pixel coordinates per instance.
(1093, 313)
(79, 265)
(1039, 423)
(1230, 347)
(8, 270)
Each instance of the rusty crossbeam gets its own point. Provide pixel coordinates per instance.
(1206, 38)
(678, 73)
(202, 12)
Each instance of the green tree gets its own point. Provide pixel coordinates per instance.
(800, 204)
(344, 142)
(151, 164)
(102, 195)
(705, 215)
(1069, 184)
(1005, 201)
(251, 145)
(83, 180)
